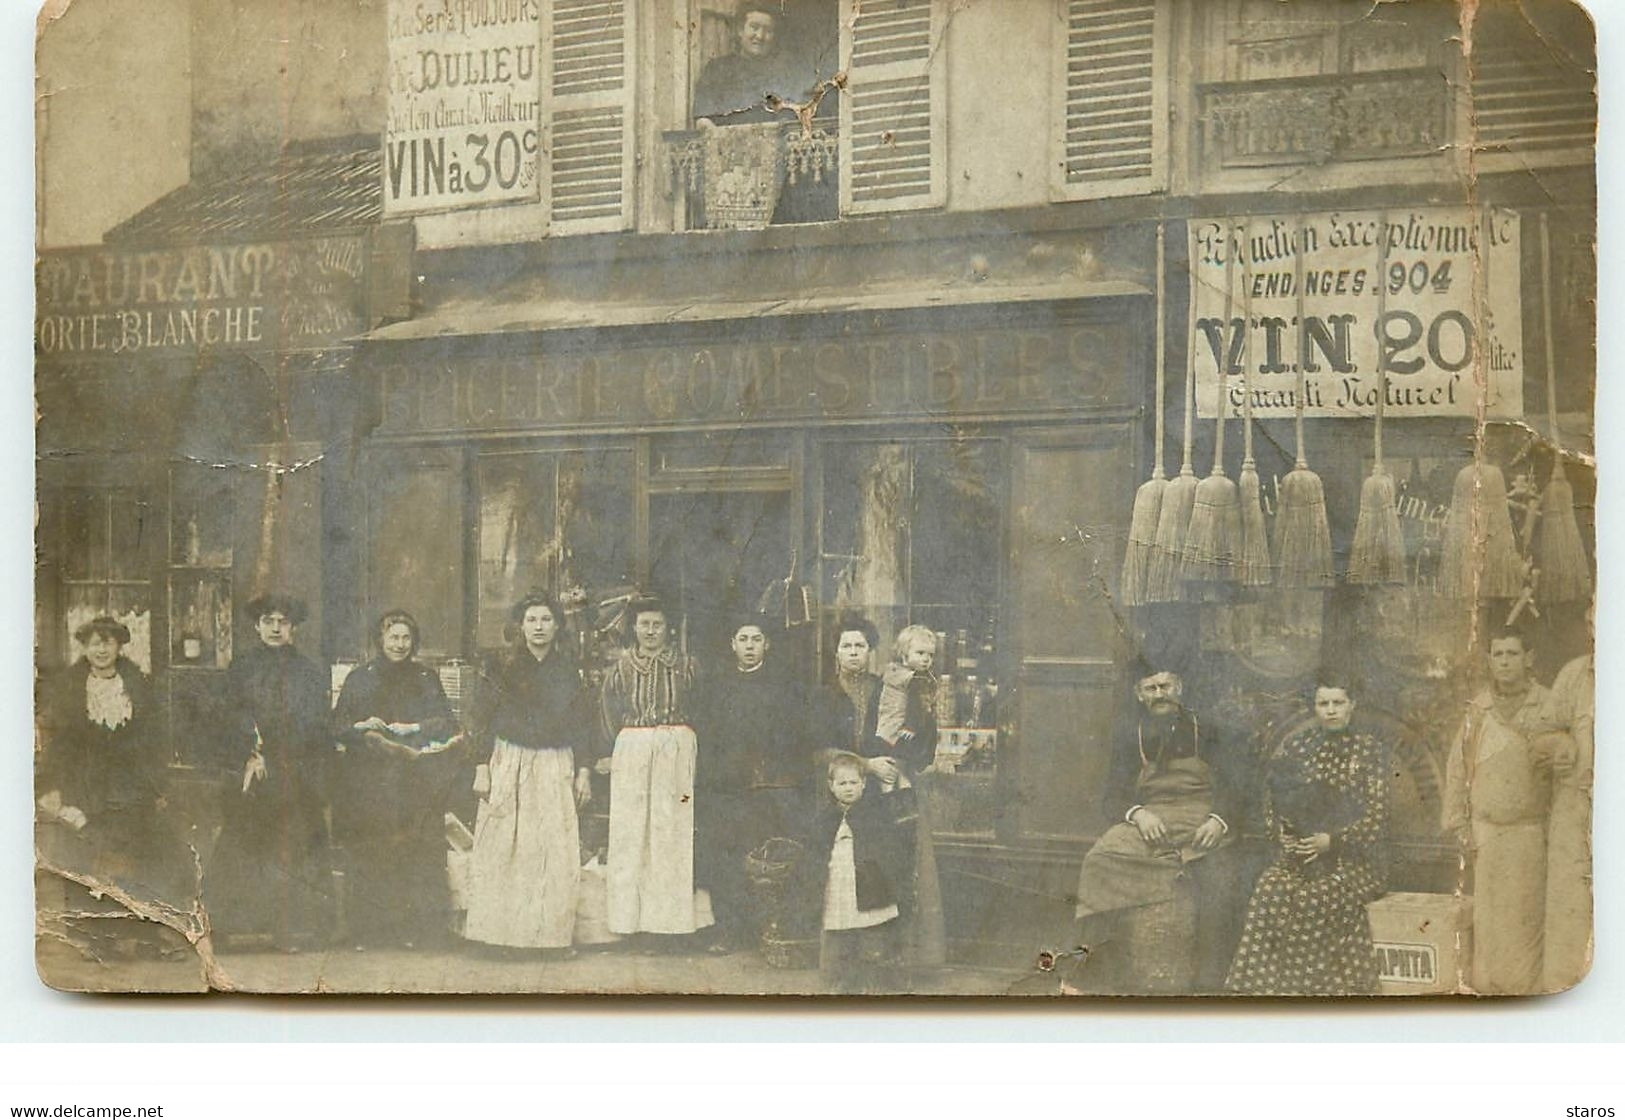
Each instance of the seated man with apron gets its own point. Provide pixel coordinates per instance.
(1173, 804)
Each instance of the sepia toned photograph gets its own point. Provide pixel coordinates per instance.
(909, 498)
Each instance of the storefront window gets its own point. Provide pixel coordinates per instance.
(106, 547)
(911, 534)
(556, 521)
(202, 526)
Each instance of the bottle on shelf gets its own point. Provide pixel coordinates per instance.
(969, 701)
(945, 713)
(966, 653)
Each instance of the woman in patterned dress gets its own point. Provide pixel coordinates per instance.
(1326, 806)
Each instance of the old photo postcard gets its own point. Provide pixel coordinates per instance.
(838, 497)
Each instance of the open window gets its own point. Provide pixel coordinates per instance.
(763, 108)
(804, 110)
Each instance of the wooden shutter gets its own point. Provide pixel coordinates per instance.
(588, 98)
(892, 111)
(1527, 95)
(1111, 127)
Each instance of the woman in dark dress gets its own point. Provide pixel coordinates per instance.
(101, 766)
(270, 873)
(395, 778)
(736, 88)
(1326, 808)
(848, 714)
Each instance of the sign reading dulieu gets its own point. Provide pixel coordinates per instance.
(463, 126)
(1444, 298)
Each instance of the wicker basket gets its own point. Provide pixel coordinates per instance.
(769, 866)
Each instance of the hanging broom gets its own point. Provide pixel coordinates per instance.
(1303, 537)
(1377, 553)
(1213, 541)
(1478, 556)
(1254, 570)
(1133, 584)
(1178, 498)
(1565, 575)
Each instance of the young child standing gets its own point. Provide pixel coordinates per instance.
(907, 706)
(856, 863)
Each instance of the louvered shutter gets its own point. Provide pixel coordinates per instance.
(1528, 97)
(892, 110)
(1111, 128)
(588, 95)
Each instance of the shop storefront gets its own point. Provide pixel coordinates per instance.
(963, 463)
(193, 389)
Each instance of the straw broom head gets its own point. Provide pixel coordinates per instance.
(1303, 536)
(1142, 539)
(1255, 543)
(1479, 554)
(1377, 553)
(1213, 541)
(1173, 519)
(1565, 574)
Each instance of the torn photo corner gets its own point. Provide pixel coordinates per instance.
(977, 498)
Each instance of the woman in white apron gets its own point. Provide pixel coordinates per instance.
(532, 721)
(646, 697)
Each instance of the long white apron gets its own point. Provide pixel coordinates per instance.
(651, 833)
(527, 852)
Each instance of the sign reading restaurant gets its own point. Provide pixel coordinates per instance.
(283, 295)
(1437, 289)
(463, 124)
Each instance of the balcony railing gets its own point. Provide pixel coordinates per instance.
(750, 176)
(1379, 115)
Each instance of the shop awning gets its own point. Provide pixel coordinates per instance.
(515, 312)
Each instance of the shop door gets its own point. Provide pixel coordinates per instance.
(1073, 489)
(714, 555)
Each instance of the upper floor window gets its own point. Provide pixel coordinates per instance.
(1319, 81)
(1270, 39)
(808, 109)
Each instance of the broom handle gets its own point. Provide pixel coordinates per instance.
(1224, 358)
(1189, 400)
(1303, 377)
(1247, 353)
(1546, 319)
(1382, 337)
(1161, 345)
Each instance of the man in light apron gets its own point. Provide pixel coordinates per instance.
(1498, 798)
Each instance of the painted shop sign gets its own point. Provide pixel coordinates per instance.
(962, 374)
(1318, 295)
(291, 296)
(463, 126)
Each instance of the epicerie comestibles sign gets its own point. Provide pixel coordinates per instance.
(1322, 303)
(463, 127)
